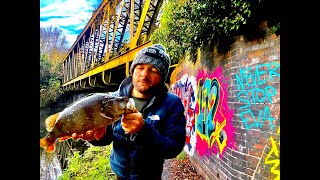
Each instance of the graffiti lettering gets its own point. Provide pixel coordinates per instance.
(256, 95)
(276, 161)
(247, 115)
(260, 77)
(217, 135)
(185, 89)
(250, 95)
(213, 117)
(208, 103)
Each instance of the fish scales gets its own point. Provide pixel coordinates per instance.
(87, 117)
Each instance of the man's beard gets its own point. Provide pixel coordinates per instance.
(146, 91)
(149, 90)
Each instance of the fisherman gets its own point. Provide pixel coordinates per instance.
(143, 140)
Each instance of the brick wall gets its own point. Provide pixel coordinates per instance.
(232, 106)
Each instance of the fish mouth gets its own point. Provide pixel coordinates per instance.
(131, 105)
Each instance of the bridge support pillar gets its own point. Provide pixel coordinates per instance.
(127, 69)
(106, 77)
(83, 83)
(92, 81)
(76, 85)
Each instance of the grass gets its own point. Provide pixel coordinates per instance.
(182, 156)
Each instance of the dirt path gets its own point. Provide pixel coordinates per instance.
(174, 169)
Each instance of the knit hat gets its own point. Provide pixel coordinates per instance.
(154, 55)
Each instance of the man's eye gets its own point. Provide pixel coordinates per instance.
(154, 70)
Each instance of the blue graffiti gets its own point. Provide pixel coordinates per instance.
(260, 77)
(208, 92)
(256, 95)
(250, 94)
(257, 122)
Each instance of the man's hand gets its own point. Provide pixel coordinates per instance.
(132, 122)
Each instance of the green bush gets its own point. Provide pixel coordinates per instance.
(49, 83)
(192, 23)
(186, 25)
(94, 163)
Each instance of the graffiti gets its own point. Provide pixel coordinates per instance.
(276, 161)
(212, 114)
(261, 75)
(251, 95)
(185, 89)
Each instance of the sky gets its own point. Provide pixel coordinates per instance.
(71, 16)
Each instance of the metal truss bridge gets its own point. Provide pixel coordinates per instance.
(102, 53)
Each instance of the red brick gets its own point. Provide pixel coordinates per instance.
(273, 36)
(248, 171)
(246, 158)
(247, 61)
(255, 54)
(258, 146)
(255, 153)
(263, 140)
(257, 133)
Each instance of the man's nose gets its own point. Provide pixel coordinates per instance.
(145, 71)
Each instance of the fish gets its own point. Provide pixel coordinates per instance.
(86, 118)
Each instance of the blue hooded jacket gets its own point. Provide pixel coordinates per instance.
(141, 155)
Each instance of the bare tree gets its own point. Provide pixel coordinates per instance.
(52, 38)
(53, 44)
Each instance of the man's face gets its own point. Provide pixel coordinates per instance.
(145, 78)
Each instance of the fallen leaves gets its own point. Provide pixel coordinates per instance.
(175, 169)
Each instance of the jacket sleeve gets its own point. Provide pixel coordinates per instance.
(170, 142)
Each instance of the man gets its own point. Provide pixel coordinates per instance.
(142, 140)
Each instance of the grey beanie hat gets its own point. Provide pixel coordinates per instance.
(154, 55)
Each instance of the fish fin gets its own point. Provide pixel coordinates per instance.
(43, 142)
(47, 145)
(63, 138)
(50, 148)
(99, 133)
(50, 121)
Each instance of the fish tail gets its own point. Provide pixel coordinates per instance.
(50, 121)
(47, 144)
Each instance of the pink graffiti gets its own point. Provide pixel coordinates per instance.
(212, 114)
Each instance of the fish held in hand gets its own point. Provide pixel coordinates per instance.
(86, 118)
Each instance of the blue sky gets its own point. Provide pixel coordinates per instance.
(71, 16)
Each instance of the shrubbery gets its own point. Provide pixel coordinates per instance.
(94, 163)
(49, 82)
(186, 25)
(52, 50)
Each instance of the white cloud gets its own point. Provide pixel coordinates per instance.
(69, 15)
